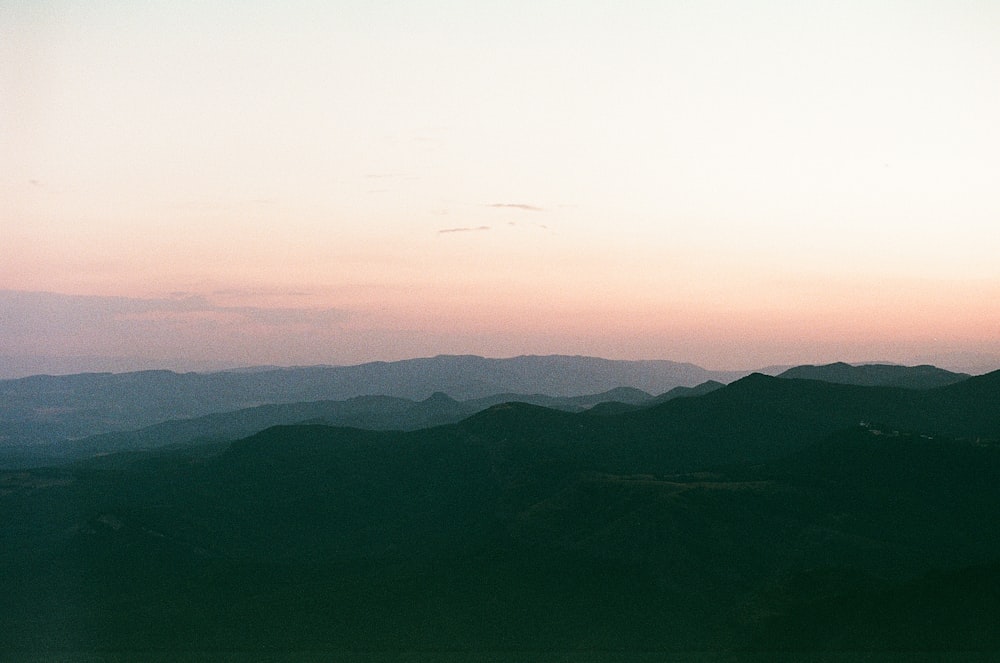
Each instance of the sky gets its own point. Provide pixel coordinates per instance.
(735, 184)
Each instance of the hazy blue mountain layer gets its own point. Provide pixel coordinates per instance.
(43, 409)
(47, 419)
(369, 412)
(877, 375)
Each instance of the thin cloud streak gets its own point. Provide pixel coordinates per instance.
(520, 206)
(462, 230)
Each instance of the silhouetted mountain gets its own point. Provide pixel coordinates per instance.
(877, 375)
(367, 412)
(682, 392)
(612, 407)
(46, 409)
(758, 517)
(627, 395)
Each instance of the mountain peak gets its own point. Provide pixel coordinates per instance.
(439, 397)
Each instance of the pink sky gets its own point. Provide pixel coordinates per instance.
(732, 185)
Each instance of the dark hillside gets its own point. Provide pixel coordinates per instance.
(369, 412)
(679, 392)
(747, 520)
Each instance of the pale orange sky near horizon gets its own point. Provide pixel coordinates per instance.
(735, 184)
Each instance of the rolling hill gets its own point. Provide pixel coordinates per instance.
(758, 517)
(45, 409)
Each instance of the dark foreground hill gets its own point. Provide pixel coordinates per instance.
(755, 519)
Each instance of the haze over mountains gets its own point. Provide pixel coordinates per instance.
(43, 409)
(877, 375)
(370, 412)
(47, 419)
(843, 512)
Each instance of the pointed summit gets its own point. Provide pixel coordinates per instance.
(439, 398)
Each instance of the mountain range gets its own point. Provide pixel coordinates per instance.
(46, 419)
(43, 408)
(765, 518)
(370, 412)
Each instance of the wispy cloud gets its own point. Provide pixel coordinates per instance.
(254, 292)
(462, 230)
(520, 206)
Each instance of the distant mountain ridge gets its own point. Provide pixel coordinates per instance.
(877, 375)
(76, 406)
(39, 412)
